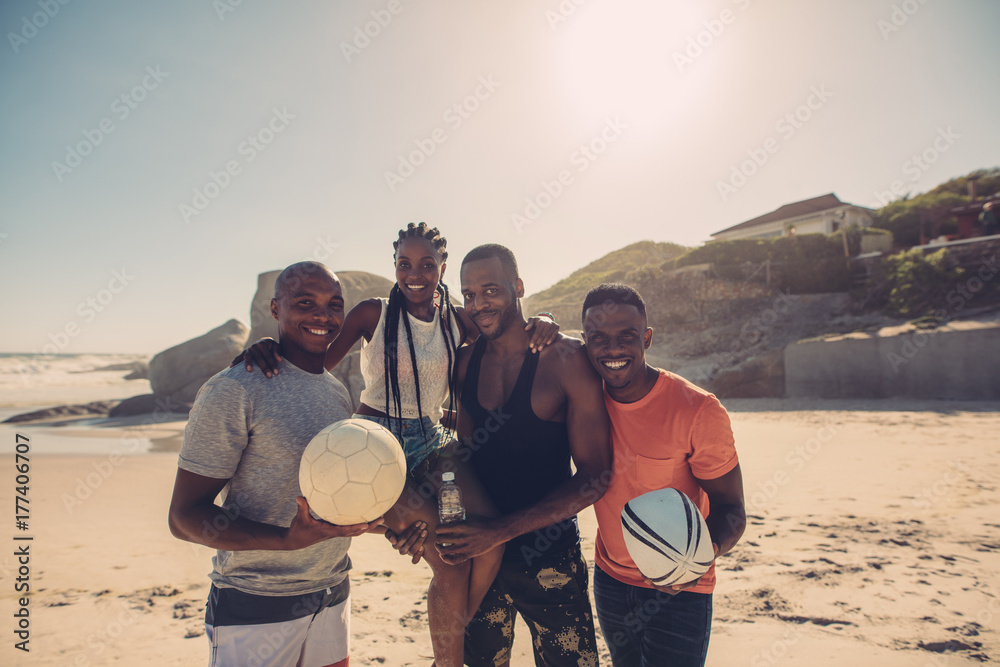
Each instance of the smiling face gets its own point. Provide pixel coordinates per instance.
(418, 269)
(309, 307)
(491, 296)
(617, 339)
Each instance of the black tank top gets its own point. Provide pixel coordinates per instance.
(518, 457)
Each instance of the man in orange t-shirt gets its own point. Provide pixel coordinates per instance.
(665, 432)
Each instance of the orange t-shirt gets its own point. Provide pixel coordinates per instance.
(674, 434)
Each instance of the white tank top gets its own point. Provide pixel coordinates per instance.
(432, 365)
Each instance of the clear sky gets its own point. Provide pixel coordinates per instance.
(155, 157)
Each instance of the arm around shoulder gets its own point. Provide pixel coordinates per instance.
(587, 420)
(360, 322)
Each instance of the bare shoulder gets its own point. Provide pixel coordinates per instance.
(567, 358)
(365, 314)
(368, 308)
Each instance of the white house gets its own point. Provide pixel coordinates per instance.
(825, 214)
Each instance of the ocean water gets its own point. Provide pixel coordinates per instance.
(34, 382)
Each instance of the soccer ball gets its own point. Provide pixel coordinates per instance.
(352, 471)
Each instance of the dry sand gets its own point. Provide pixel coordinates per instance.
(874, 539)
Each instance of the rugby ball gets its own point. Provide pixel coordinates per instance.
(667, 537)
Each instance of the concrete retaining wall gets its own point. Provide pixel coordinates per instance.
(957, 361)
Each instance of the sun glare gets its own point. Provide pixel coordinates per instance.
(618, 58)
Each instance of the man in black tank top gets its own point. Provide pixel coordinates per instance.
(523, 417)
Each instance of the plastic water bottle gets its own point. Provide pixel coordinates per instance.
(450, 506)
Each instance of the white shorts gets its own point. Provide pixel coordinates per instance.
(320, 639)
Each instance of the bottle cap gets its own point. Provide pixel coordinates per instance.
(447, 477)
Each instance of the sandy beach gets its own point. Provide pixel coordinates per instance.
(874, 539)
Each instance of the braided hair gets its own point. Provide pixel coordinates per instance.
(395, 310)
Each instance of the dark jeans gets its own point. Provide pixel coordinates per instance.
(551, 596)
(646, 628)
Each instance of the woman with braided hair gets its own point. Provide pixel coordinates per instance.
(407, 362)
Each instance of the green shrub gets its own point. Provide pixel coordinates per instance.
(930, 211)
(801, 264)
(919, 282)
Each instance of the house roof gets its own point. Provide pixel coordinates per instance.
(793, 210)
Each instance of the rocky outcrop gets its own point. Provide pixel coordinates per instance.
(94, 409)
(176, 374)
(261, 323)
(147, 403)
(140, 371)
(762, 376)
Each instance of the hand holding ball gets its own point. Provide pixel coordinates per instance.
(352, 472)
(667, 537)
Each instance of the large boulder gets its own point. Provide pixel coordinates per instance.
(176, 374)
(261, 323)
(146, 404)
(96, 408)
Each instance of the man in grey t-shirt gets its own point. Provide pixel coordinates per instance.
(280, 593)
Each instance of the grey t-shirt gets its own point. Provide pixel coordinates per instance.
(252, 430)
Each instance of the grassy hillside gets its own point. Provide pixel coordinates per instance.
(565, 298)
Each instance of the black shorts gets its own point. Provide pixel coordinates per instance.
(551, 596)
